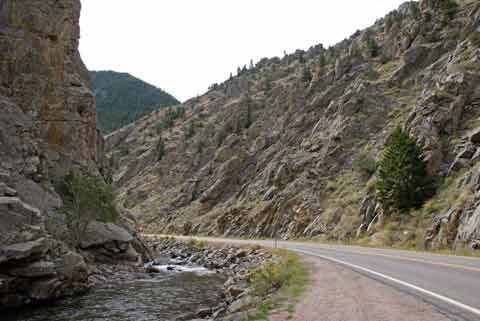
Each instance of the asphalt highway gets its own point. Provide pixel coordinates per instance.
(450, 283)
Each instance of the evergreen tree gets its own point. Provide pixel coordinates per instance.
(403, 181)
(372, 47)
(322, 60)
(301, 58)
(160, 149)
(189, 131)
(415, 10)
(307, 75)
(450, 8)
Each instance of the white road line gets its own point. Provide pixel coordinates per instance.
(389, 278)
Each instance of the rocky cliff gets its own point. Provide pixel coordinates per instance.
(276, 149)
(47, 129)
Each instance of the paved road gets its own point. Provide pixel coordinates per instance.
(450, 283)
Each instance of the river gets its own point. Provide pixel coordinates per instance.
(151, 297)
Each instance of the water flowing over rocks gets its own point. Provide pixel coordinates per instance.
(235, 263)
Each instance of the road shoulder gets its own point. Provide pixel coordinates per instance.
(337, 293)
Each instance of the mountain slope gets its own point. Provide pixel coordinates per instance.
(122, 98)
(273, 150)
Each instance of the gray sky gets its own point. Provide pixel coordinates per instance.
(183, 46)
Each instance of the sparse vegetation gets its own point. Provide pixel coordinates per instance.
(364, 164)
(290, 277)
(197, 243)
(474, 38)
(171, 115)
(86, 198)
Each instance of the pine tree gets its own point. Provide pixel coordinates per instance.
(301, 58)
(307, 75)
(160, 149)
(322, 60)
(189, 131)
(403, 181)
(372, 47)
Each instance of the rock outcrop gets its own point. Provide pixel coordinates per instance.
(47, 129)
(272, 150)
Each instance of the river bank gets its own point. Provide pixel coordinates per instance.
(187, 280)
(237, 264)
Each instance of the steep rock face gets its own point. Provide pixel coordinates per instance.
(272, 150)
(44, 77)
(47, 128)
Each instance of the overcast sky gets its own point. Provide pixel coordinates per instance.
(183, 46)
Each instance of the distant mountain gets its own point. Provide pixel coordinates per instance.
(122, 99)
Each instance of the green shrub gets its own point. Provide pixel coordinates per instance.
(372, 46)
(388, 22)
(86, 199)
(403, 181)
(160, 149)
(307, 75)
(364, 164)
(450, 8)
(290, 275)
(415, 10)
(197, 243)
(246, 119)
(189, 131)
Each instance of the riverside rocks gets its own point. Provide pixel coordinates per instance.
(234, 262)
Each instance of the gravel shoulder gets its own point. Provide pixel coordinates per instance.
(339, 294)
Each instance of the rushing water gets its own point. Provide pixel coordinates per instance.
(158, 297)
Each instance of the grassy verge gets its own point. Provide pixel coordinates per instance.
(287, 280)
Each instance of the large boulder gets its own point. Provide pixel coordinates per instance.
(24, 250)
(99, 234)
(109, 243)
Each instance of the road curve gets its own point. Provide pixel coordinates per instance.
(450, 283)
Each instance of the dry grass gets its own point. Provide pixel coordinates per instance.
(385, 71)
(289, 277)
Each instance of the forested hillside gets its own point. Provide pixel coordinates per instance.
(122, 98)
